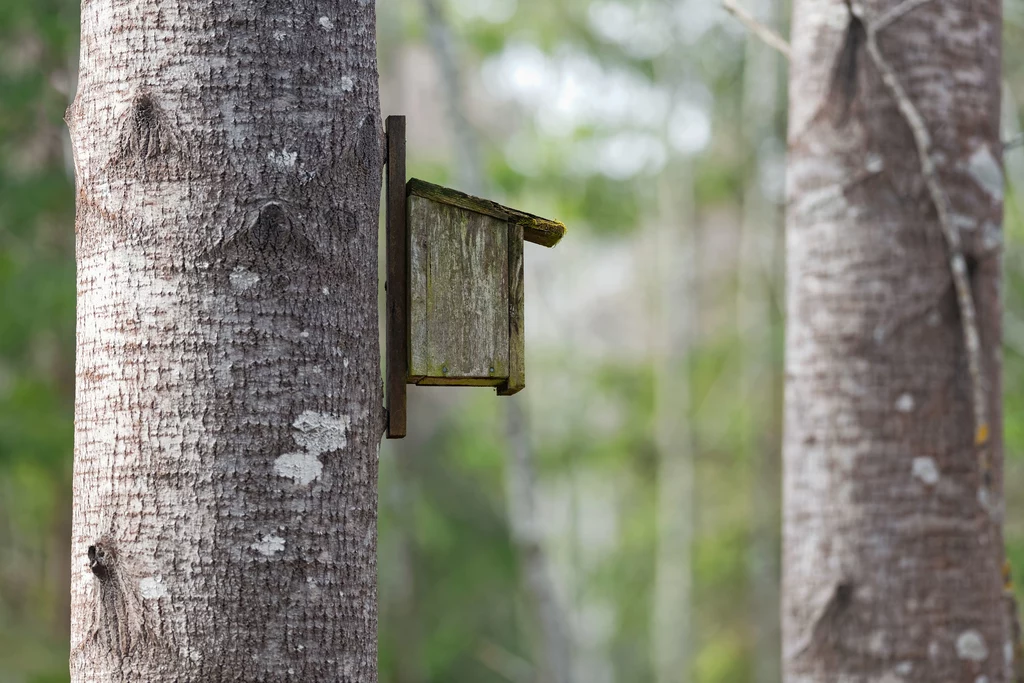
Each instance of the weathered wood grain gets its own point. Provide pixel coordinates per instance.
(542, 231)
(459, 295)
(516, 381)
(397, 279)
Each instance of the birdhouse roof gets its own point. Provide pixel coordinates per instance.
(542, 231)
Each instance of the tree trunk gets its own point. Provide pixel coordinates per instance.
(228, 409)
(892, 529)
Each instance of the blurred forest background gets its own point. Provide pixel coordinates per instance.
(618, 521)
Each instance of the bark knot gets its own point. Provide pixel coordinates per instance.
(846, 71)
(146, 133)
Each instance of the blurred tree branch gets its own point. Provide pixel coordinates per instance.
(766, 34)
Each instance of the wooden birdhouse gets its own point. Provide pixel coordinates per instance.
(454, 286)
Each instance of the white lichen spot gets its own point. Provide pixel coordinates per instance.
(964, 222)
(981, 679)
(985, 500)
(877, 642)
(971, 646)
(925, 470)
(986, 171)
(268, 545)
(302, 468)
(1008, 652)
(326, 291)
(991, 236)
(905, 403)
(345, 362)
(933, 650)
(327, 24)
(347, 83)
(279, 36)
(152, 587)
(283, 159)
(904, 668)
(934, 319)
(959, 265)
(874, 163)
(243, 280)
(319, 433)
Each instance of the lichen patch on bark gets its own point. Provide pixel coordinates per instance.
(302, 468)
(152, 587)
(987, 172)
(925, 470)
(243, 280)
(319, 433)
(971, 646)
(269, 545)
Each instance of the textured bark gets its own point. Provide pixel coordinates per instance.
(893, 544)
(228, 413)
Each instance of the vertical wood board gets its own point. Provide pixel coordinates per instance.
(459, 293)
(418, 214)
(516, 313)
(397, 280)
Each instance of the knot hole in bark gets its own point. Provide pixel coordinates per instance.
(972, 263)
(825, 634)
(844, 82)
(101, 561)
(271, 237)
(120, 621)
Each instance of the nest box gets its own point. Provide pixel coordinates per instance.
(454, 286)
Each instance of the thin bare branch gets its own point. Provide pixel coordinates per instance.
(886, 18)
(957, 261)
(770, 37)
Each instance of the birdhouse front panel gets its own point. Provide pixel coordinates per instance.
(458, 295)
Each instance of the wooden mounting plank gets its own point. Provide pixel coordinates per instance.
(397, 283)
(542, 231)
(516, 309)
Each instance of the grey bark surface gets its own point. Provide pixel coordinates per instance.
(228, 402)
(892, 537)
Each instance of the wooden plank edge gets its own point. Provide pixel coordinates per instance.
(516, 381)
(460, 382)
(542, 231)
(397, 285)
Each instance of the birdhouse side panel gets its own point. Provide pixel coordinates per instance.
(459, 295)
(516, 381)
